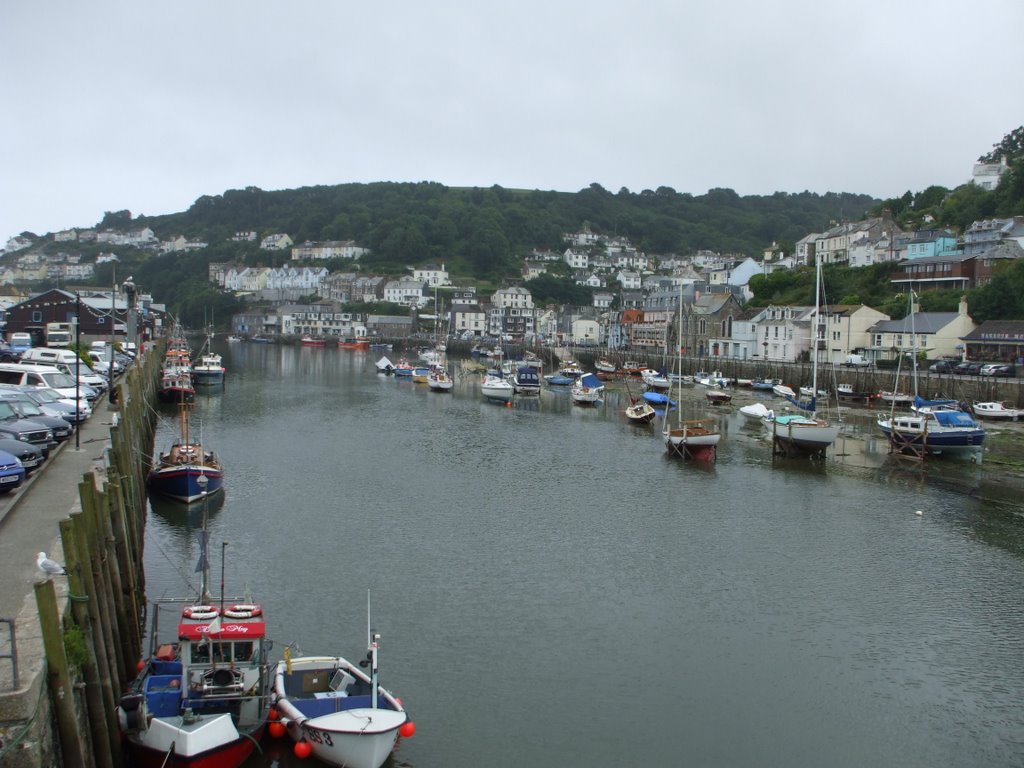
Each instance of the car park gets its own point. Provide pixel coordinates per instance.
(8, 354)
(46, 376)
(12, 472)
(27, 408)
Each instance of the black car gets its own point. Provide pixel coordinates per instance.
(30, 456)
(967, 368)
(942, 366)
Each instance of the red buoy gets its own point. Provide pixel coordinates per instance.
(408, 729)
(277, 729)
(272, 714)
(141, 665)
(302, 749)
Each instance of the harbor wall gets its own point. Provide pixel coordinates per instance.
(77, 639)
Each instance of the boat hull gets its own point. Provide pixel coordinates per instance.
(149, 752)
(181, 482)
(803, 435)
(208, 377)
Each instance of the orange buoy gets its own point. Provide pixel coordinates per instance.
(302, 749)
(408, 729)
(276, 729)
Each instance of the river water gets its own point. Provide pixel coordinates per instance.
(552, 590)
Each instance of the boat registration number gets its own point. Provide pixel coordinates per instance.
(319, 737)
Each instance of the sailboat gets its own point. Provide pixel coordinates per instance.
(438, 378)
(695, 439)
(805, 434)
(201, 699)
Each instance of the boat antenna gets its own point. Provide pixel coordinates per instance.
(372, 643)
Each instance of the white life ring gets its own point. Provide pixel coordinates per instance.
(242, 611)
(200, 612)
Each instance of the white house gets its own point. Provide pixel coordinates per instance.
(629, 280)
(432, 275)
(785, 332)
(405, 291)
(331, 249)
(576, 258)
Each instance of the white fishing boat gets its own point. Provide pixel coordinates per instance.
(497, 389)
(996, 411)
(781, 390)
(342, 715)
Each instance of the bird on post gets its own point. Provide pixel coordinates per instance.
(50, 567)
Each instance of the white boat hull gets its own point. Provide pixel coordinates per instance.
(354, 738)
(498, 390)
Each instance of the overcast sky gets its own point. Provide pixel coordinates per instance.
(147, 106)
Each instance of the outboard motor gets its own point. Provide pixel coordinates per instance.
(131, 713)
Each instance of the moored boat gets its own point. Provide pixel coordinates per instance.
(640, 412)
(718, 396)
(209, 370)
(496, 389)
(345, 716)
(202, 699)
(996, 411)
(941, 431)
(587, 390)
(438, 379)
(526, 380)
(187, 471)
(313, 341)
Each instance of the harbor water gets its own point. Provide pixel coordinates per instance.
(552, 590)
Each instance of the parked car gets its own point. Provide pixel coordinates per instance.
(20, 342)
(12, 472)
(8, 354)
(967, 368)
(942, 366)
(1006, 370)
(27, 408)
(30, 456)
(62, 406)
(25, 430)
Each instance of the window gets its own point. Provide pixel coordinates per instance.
(37, 316)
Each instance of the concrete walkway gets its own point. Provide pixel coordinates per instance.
(29, 520)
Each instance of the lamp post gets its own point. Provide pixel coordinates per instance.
(203, 481)
(78, 360)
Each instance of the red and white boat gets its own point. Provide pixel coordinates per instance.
(313, 341)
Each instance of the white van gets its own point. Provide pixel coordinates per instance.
(28, 375)
(69, 362)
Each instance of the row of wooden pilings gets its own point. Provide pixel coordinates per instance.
(92, 650)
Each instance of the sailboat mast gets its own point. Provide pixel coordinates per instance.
(817, 329)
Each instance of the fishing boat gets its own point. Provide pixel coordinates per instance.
(353, 344)
(202, 698)
(571, 369)
(233, 339)
(209, 369)
(176, 386)
(604, 365)
(806, 433)
(343, 714)
(587, 390)
(496, 389)
(997, 411)
(187, 471)
(313, 341)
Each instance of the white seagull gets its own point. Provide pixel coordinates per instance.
(50, 567)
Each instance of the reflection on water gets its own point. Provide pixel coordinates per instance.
(606, 606)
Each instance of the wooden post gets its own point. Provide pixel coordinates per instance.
(99, 640)
(79, 596)
(101, 590)
(58, 677)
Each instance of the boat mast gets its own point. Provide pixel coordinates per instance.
(817, 334)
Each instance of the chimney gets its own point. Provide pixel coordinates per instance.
(962, 309)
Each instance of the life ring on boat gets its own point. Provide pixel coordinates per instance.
(199, 612)
(242, 611)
